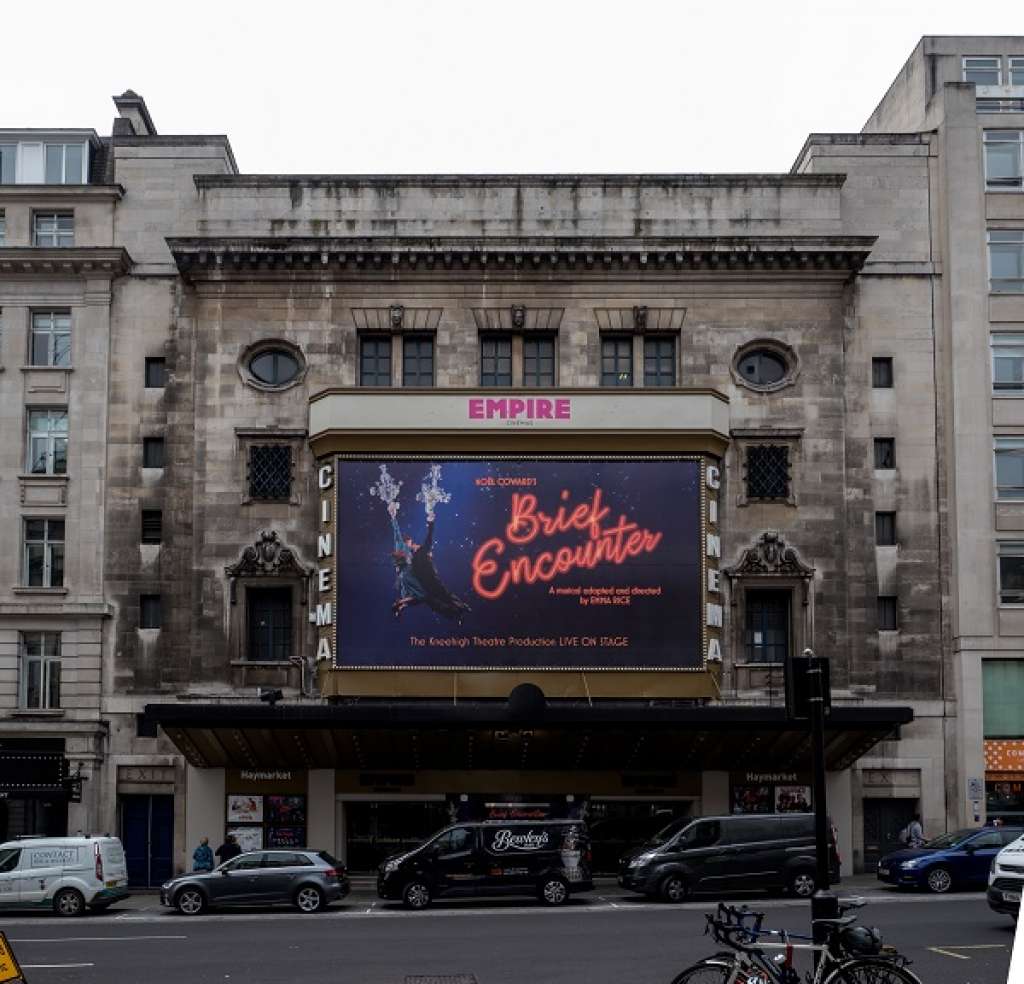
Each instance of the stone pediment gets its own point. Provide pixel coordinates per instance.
(267, 557)
(770, 557)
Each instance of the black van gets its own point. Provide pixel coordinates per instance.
(547, 858)
(732, 853)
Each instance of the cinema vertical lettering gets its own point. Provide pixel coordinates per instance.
(325, 603)
(713, 609)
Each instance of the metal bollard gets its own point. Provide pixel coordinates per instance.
(824, 905)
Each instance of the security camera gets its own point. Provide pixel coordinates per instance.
(269, 696)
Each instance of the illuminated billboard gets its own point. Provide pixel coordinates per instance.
(514, 563)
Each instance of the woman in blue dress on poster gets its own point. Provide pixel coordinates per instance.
(417, 578)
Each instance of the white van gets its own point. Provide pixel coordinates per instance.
(63, 873)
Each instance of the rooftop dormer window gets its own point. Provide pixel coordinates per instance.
(64, 163)
(63, 160)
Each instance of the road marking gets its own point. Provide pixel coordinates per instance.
(614, 905)
(55, 966)
(948, 951)
(96, 939)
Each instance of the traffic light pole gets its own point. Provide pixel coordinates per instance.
(824, 903)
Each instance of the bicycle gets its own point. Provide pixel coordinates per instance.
(850, 955)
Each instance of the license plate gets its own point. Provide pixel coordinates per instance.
(883, 871)
(1011, 896)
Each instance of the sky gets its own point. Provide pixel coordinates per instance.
(395, 86)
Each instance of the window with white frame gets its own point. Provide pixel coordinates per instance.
(1006, 261)
(982, 70)
(50, 344)
(1017, 70)
(64, 163)
(44, 553)
(40, 670)
(1011, 572)
(1009, 467)
(53, 229)
(1008, 363)
(1004, 156)
(48, 441)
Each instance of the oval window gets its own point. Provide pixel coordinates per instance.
(762, 367)
(274, 367)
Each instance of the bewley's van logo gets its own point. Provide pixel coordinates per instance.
(514, 408)
(514, 840)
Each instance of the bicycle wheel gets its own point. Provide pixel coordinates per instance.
(865, 970)
(713, 970)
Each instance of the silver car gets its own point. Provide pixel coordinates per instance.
(309, 880)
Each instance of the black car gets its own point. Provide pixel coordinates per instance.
(730, 853)
(309, 880)
(549, 859)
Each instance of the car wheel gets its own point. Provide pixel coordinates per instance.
(674, 889)
(190, 902)
(309, 898)
(939, 880)
(68, 902)
(416, 895)
(801, 884)
(554, 891)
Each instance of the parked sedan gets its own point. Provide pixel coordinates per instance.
(309, 880)
(958, 860)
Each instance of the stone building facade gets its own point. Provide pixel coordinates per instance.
(235, 337)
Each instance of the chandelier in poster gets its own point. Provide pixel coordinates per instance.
(511, 563)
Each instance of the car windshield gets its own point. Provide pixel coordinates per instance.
(946, 841)
(667, 832)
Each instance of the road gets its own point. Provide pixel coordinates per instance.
(607, 937)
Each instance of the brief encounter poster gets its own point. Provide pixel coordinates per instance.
(539, 563)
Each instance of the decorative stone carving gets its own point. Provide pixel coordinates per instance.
(640, 318)
(770, 557)
(268, 556)
(396, 319)
(518, 319)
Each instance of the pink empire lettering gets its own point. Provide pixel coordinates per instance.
(516, 408)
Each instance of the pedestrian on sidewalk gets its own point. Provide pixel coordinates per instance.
(229, 849)
(202, 856)
(913, 833)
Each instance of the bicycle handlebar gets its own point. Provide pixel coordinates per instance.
(740, 927)
(729, 925)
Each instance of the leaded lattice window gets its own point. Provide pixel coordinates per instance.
(768, 471)
(270, 471)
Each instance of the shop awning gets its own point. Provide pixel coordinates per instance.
(626, 735)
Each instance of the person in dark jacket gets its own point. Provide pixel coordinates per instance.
(229, 849)
(202, 856)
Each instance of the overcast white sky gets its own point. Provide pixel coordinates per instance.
(449, 86)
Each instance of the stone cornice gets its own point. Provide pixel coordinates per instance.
(64, 193)
(513, 180)
(74, 261)
(205, 258)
